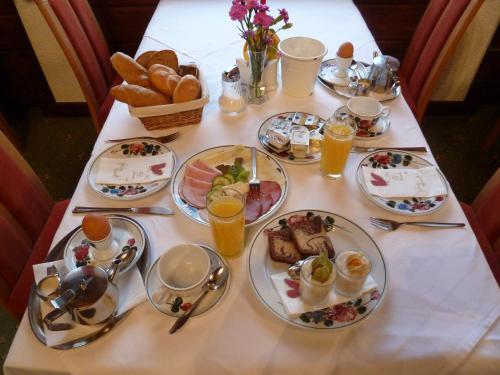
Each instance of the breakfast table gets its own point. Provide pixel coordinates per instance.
(440, 311)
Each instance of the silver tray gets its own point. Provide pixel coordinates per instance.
(34, 312)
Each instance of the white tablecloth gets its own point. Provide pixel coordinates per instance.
(440, 313)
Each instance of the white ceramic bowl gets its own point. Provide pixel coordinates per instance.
(183, 269)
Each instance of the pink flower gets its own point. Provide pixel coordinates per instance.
(284, 14)
(263, 19)
(237, 12)
(252, 4)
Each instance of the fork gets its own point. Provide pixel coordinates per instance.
(163, 139)
(254, 192)
(386, 224)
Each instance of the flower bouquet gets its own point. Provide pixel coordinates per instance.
(258, 29)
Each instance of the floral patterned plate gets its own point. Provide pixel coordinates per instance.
(266, 166)
(366, 131)
(285, 121)
(126, 233)
(175, 305)
(345, 235)
(124, 150)
(410, 206)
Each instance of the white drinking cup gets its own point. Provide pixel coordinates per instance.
(367, 109)
(300, 62)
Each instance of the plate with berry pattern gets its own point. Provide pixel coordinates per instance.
(125, 150)
(125, 232)
(344, 235)
(407, 206)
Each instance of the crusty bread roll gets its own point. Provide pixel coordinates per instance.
(164, 81)
(188, 88)
(144, 58)
(129, 69)
(153, 68)
(138, 96)
(166, 57)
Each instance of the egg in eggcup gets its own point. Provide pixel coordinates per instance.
(343, 60)
(98, 231)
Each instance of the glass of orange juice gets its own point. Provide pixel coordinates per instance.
(337, 142)
(226, 212)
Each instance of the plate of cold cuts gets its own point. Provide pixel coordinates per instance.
(225, 167)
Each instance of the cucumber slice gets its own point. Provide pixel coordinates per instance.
(230, 178)
(217, 187)
(221, 180)
(213, 193)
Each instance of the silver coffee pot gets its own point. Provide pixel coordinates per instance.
(383, 72)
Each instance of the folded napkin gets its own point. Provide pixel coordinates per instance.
(121, 171)
(132, 293)
(398, 183)
(295, 306)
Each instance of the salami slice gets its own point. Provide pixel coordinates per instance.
(267, 201)
(272, 188)
(253, 210)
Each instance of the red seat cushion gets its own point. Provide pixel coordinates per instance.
(407, 95)
(492, 255)
(108, 102)
(18, 299)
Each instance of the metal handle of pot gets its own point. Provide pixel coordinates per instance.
(51, 316)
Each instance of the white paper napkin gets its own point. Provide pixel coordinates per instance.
(295, 305)
(396, 183)
(132, 293)
(120, 171)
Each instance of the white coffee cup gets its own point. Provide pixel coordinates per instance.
(300, 62)
(367, 109)
(184, 269)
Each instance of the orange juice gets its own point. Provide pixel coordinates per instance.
(227, 222)
(337, 143)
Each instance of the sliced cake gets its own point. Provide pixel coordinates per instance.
(310, 237)
(282, 247)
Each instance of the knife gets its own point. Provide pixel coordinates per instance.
(135, 210)
(370, 149)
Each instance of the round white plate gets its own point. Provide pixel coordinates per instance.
(363, 132)
(346, 235)
(166, 303)
(136, 149)
(227, 153)
(293, 118)
(410, 206)
(126, 232)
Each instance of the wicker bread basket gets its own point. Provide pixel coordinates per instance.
(171, 115)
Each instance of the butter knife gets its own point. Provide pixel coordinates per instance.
(370, 149)
(135, 210)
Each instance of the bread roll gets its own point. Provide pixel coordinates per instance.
(144, 58)
(166, 57)
(188, 88)
(129, 69)
(153, 68)
(138, 96)
(164, 81)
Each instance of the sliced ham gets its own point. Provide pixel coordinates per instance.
(253, 210)
(199, 174)
(267, 201)
(194, 191)
(272, 188)
(207, 168)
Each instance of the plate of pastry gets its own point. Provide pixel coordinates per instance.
(224, 167)
(282, 244)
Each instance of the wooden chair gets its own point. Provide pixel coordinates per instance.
(28, 220)
(435, 39)
(484, 218)
(78, 33)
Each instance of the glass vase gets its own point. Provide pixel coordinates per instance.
(256, 87)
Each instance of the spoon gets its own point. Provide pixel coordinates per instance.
(126, 257)
(216, 279)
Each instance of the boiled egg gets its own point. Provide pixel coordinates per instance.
(346, 50)
(95, 227)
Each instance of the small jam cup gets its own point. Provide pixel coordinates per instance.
(350, 284)
(48, 287)
(311, 291)
(184, 269)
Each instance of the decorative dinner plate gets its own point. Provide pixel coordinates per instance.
(125, 150)
(357, 70)
(176, 306)
(366, 130)
(410, 206)
(268, 169)
(126, 233)
(285, 121)
(345, 235)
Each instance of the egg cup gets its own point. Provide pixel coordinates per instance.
(103, 249)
